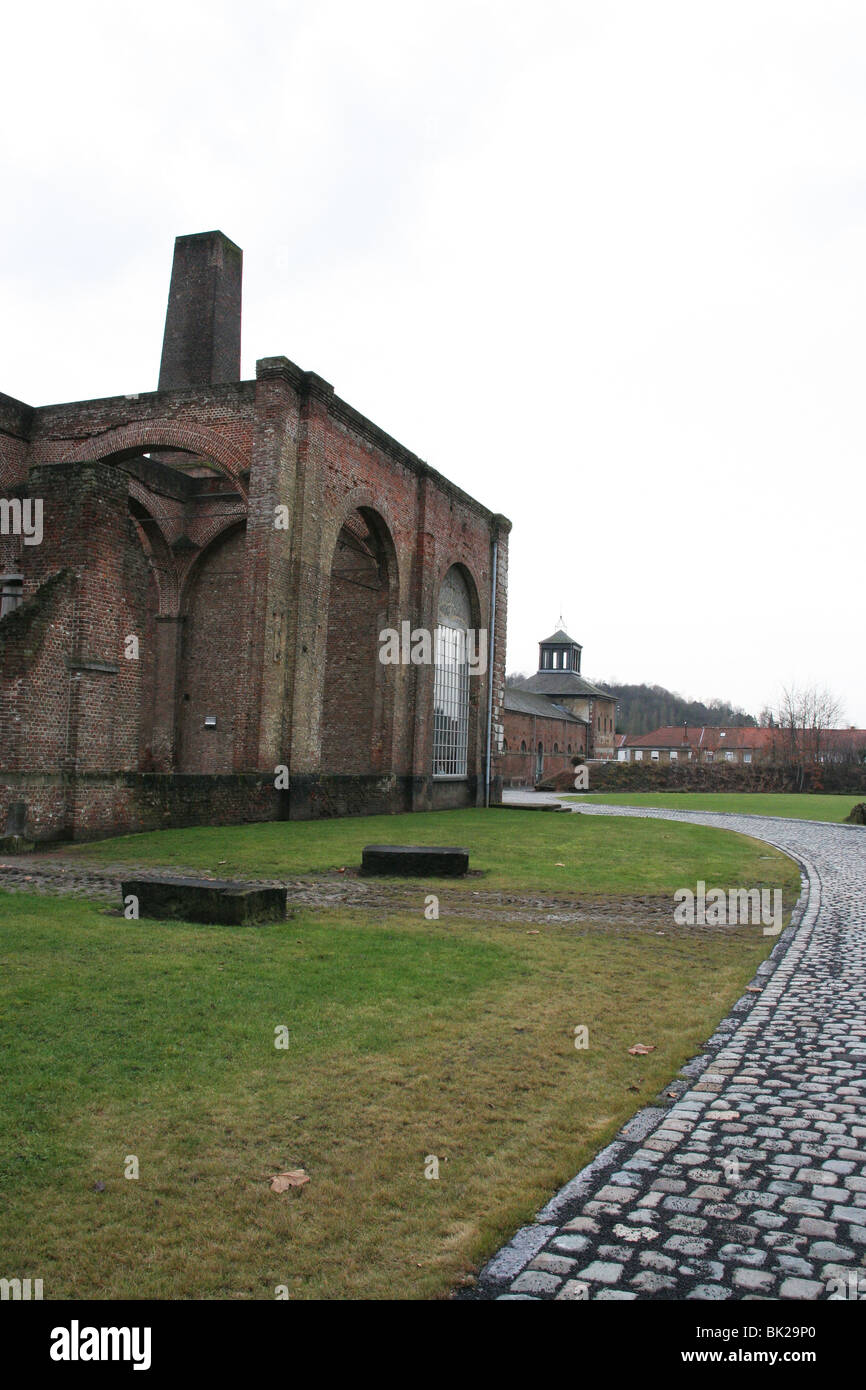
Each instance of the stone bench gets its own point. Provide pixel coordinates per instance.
(437, 861)
(216, 901)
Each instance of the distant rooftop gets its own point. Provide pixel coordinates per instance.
(559, 639)
(524, 702)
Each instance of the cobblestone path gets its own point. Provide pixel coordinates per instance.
(752, 1182)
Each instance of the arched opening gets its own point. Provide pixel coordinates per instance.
(539, 761)
(357, 700)
(208, 685)
(181, 507)
(451, 704)
(151, 552)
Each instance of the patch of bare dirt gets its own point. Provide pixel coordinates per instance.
(321, 892)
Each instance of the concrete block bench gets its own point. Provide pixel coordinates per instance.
(217, 901)
(438, 861)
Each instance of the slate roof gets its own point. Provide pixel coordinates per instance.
(522, 702)
(554, 683)
(559, 639)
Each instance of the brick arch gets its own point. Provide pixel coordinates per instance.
(358, 691)
(473, 712)
(157, 550)
(219, 531)
(364, 499)
(472, 585)
(208, 528)
(144, 436)
(213, 632)
(13, 464)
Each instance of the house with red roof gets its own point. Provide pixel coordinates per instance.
(703, 744)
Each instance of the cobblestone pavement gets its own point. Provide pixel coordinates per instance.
(752, 1182)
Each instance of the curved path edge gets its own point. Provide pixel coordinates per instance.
(623, 1228)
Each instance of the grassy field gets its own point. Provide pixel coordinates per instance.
(509, 850)
(407, 1040)
(806, 806)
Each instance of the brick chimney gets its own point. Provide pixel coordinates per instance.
(202, 342)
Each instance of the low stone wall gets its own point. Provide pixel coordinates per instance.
(647, 776)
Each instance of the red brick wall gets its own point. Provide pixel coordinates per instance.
(519, 769)
(250, 623)
(352, 735)
(212, 647)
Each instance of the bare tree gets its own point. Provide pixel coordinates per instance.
(804, 717)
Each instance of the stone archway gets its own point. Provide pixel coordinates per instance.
(208, 690)
(357, 698)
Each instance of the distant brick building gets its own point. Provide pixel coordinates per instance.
(694, 743)
(539, 738)
(195, 635)
(740, 744)
(554, 717)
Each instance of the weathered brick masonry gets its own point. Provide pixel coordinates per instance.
(253, 537)
(539, 747)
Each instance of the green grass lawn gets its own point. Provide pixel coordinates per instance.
(805, 806)
(406, 1039)
(513, 850)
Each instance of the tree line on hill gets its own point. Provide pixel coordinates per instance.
(642, 708)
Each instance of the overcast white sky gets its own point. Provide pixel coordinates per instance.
(602, 264)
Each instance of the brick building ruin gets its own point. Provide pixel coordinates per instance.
(194, 636)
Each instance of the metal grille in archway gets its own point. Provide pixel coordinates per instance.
(451, 679)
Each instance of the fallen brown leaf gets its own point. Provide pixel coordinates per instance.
(295, 1177)
(640, 1050)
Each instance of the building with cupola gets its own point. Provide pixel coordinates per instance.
(555, 717)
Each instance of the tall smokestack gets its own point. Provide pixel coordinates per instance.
(202, 342)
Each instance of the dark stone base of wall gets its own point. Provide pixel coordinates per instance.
(91, 806)
(316, 795)
(51, 807)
